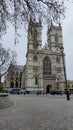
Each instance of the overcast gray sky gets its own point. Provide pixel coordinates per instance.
(21, 47)
(68, 40)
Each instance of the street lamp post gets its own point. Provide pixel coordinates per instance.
(38, 87)
(67, 90)
(0, 77)
(20, 78)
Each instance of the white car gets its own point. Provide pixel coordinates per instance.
(22, 91)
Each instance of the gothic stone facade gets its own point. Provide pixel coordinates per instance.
(44, 69)
(13, 78)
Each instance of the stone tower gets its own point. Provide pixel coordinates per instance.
(34, 35)
(55, 44)
(54, 37)
(32, 65)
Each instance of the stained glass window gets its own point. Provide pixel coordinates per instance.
(47, 65)
(56, 37)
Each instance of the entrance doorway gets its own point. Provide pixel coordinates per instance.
(16, 84)
(48, 88)
(12, 85)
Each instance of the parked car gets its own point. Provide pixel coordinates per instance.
(7, 90)
(15, 91)
(27, 91)
(22, 91)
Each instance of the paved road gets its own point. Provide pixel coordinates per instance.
(42, 112)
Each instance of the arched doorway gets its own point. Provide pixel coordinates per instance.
(12, 85)
(48, 88)
(16, 84)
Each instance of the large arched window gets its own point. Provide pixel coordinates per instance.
(47, 65)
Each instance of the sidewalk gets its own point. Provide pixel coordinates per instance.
(5, 101)
(42, 112)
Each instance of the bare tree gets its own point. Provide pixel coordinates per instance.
(7, 57)
(18, 12)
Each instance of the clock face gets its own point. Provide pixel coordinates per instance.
(58, 59)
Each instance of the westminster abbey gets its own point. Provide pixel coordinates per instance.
(44, 68)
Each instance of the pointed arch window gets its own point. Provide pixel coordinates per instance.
(36, 80)
(47, 65)
(16, 73)
(35, 58)
(35, 35)
(56, 37)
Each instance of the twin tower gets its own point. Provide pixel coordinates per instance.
(44, 69)
(54, 36)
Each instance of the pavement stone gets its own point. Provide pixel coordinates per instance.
(5, 101)
(38, 112)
